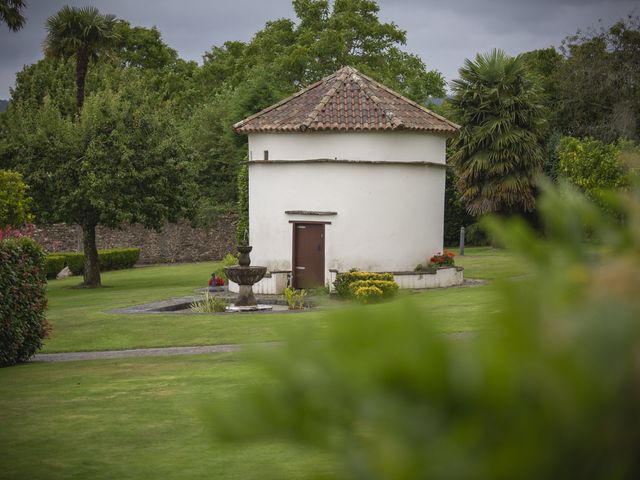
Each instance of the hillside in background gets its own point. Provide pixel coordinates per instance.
(3, 105)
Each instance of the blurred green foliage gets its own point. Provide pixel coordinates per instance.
(552, 391)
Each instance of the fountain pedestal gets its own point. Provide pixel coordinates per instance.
(246, 276)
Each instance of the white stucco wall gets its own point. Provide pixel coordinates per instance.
(389, 216)
(371, 146)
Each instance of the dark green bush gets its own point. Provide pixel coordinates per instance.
(75, 262)
(118, 258)
(476, 236)
(343, 280)
(22, 300)
(114, 259)
(53, 264)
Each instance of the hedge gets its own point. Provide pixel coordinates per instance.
(53, 264)
(23, 325)
(115, 259)
(343, 280)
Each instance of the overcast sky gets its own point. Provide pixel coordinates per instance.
(442, 32)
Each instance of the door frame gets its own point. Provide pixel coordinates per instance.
(294, 224)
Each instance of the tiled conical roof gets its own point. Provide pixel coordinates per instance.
(345, 101)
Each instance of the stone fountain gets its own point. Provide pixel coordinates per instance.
(246, 276)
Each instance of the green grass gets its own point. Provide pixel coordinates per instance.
(81, 320)
(129, 419)
(141, 418)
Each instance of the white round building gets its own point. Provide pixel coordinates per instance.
(344, 174)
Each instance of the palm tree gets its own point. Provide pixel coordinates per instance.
(11, 14)
(81, 32)
(497, 151)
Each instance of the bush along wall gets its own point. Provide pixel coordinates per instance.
(344, 280)
(115, 259)
(53, 264)
(23, 325)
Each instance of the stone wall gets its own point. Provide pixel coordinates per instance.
(176, 242)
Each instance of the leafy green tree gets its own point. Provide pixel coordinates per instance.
(83, 33)
(121, 162)
(142, 47)
(216, 151)
(497, 151)
(326, 36)
(599, 83)
(11, 14)
(46, 78)
(545, 64)
(593, 166)
(14, 201)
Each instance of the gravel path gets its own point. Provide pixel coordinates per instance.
(172, 351)
(138, 352)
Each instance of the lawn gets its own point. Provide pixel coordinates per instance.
(125, 419)
(141, 418)
(81, 320)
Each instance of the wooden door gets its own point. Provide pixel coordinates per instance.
(308, 255)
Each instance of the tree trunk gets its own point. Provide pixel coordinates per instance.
(82, 64)
(91, 266)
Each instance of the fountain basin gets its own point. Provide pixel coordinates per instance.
(245, 275)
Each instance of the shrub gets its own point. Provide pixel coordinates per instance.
(343, 280)
(368, 294)
(53, 265)
(114, 259)
(22, 300)
(227, 261)
(295, 298)
(75, 262)
(209, 304)
(242, 229)
(118, 258)
(476, 236)
(388, 289)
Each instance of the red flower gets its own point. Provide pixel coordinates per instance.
(433, 259)
(210, 281)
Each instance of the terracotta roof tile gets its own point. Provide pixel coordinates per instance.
(347, 101)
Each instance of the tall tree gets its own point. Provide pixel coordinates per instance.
(83, 33)
(120, 162)
(11, 14)
(599, 83)
(497, 151)
(325, 36)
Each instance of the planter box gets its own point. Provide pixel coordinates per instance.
(435, 278)
(432, 278)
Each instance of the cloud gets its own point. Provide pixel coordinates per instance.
(442, 32)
